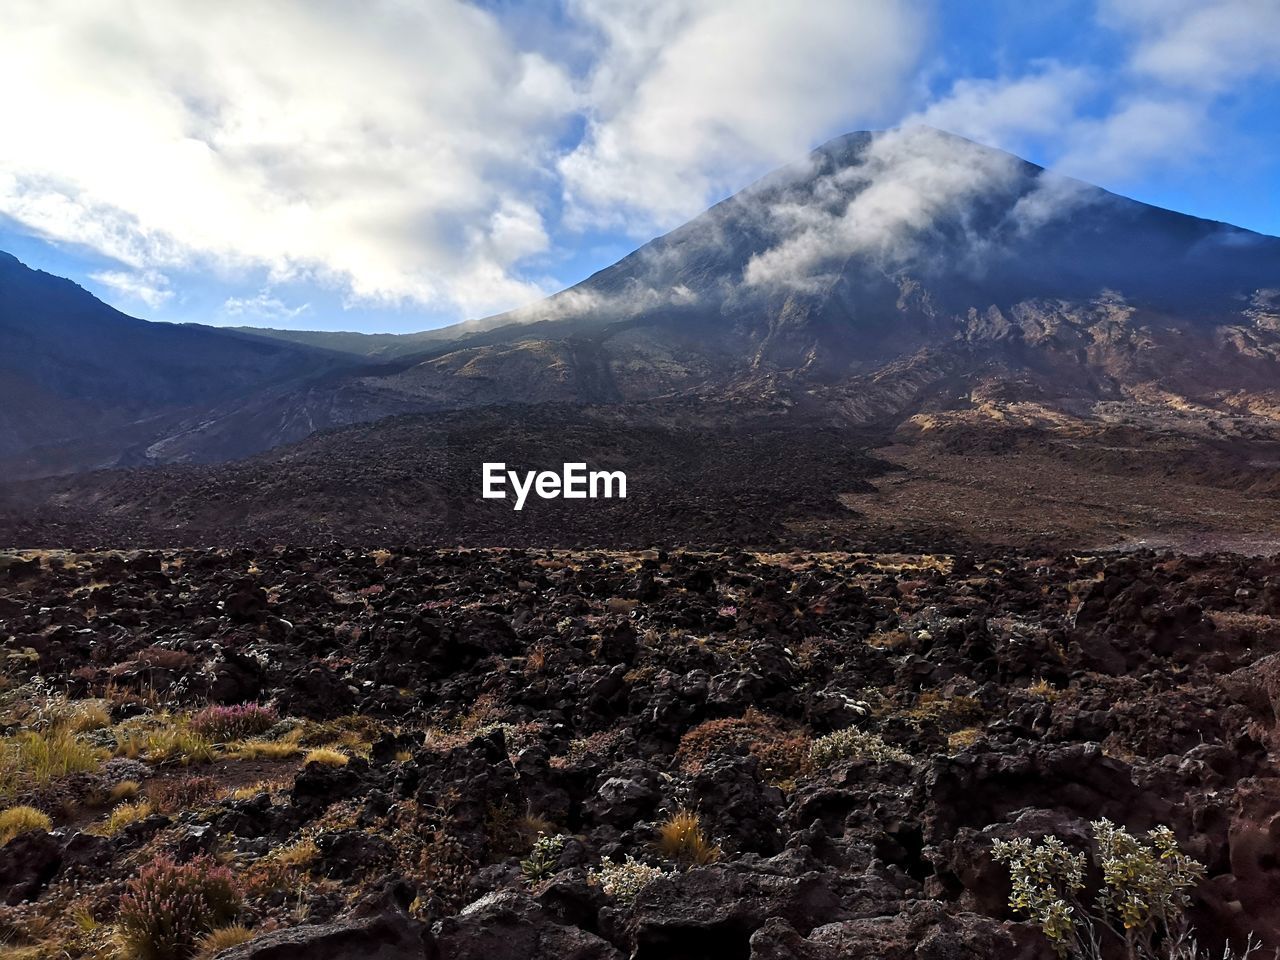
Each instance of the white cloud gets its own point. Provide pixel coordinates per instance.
(1159, 113)
(263, 306)
(376, 147)
(149, 286)
(693, 97)
(906, 181)
(1204, 45)
(1009, 111)
(1139, 134)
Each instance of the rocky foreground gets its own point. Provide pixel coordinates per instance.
(544, 754)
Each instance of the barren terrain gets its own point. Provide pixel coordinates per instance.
(493, 729)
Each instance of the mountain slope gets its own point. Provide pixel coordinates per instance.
(82, 384)
(881, 248)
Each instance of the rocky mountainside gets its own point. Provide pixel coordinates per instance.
(885, 268)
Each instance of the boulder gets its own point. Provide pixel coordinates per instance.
(27, 863)
(391, 935)
(511, 926)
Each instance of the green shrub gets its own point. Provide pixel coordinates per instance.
(854, 743)
(541, 862)
(624, 881)
(169, 907)
(1141, 903)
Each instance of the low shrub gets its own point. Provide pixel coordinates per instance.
(780, 750)
(852, 743)
(1140, 905)
(17, 820)
(169, 907)
(541, 862)
(624, 881)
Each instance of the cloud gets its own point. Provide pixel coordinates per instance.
(692, 98)
(149, 287)
(1200, 45)
(263, 305)
(1155, 109)
(904, 185)
(1010, 111)
(395, 151)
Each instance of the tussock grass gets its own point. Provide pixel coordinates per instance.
(34, 758)
(326, 757)
(681, 839)
(222, 938)
(22, 819)
(121, 817)
(164, 739)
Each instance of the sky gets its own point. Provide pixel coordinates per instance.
(398, 165)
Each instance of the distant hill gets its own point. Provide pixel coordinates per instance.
(82, 384)
(374, 346)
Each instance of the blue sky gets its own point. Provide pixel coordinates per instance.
(397, 166)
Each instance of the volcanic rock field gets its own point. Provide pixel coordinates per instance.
(448, 754)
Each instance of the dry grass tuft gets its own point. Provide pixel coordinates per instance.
(326, 757)
(963, 738)
(283, 749)
(124, 790)
(121, 817)
(222, 938)
(682, 840)
(1044, 690)
(35, 758)
(19, 820)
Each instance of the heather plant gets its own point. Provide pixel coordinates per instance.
(184, 793)
(780, 750)
(222, 724)
(169, 907)
(852, 743)
(1140, 905)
